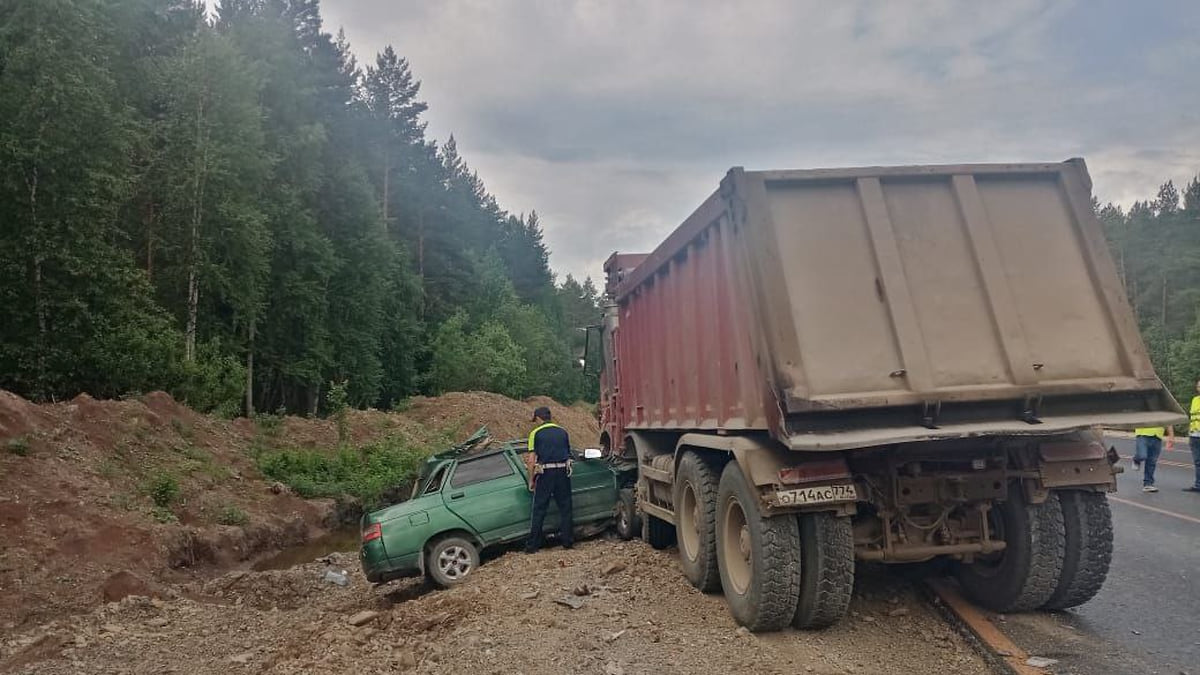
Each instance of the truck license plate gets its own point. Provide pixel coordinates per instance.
(816, 495)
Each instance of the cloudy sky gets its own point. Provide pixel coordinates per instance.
(613, 119)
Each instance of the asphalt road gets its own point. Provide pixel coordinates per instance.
(1146, 619)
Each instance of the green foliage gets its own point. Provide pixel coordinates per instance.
(163, 515)
(1156, 246)
(234, 212)
(18, 446)
(232, 515)
(372, 474)
(162, 489)
(338, 408)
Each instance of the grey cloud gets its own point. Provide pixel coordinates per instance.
(614, 119)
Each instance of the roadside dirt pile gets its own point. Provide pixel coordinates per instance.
(504, 417)
(153, 493)
(635, 614)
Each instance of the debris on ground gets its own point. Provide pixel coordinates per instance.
(287, 622)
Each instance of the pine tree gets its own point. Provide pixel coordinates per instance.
(78, 316)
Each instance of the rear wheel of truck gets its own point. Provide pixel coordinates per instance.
(629, 523)
(657, 532)
(826, 570)
(1089, 547)
(759, 558)
(696, 520)
(1024, 575)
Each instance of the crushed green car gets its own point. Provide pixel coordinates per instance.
(474, 497)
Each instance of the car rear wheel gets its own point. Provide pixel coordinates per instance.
(451, 560)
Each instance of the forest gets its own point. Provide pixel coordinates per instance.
(230, 208)
(1156, 246)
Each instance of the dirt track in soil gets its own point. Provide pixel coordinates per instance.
(643, 618)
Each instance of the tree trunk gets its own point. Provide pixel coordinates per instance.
(387, 174)
(193, 283)
(150, 240)
(250, 372)
(39, 298)
(1164, 303)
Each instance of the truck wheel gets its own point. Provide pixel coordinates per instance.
(696, 521)
(657, 532)
(629, 523)
(1024, 575)
(1089, 547)
(450, 560)
(826, 570)
(759, 557)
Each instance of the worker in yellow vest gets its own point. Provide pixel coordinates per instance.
(1148, 446)
(1194, 438)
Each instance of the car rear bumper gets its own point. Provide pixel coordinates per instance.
(387, 569)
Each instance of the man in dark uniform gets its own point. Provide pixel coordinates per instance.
(550, 474)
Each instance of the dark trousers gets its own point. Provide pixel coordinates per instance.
(556, 484)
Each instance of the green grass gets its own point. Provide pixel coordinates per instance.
(185, 430)
(162, 489)
(18, 446)
(164, 515)
(367, 474)
(232, 515)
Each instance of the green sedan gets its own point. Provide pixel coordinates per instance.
(465, 501)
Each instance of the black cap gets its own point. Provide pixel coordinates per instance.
(542, 413)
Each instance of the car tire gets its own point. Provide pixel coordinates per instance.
(629, 523)
(1025, 574)
(696, 521)
(451, 560)
(759, 557)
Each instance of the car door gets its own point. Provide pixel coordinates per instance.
(593, 490)
(490, 495)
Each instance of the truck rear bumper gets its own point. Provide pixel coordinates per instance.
(847, 439)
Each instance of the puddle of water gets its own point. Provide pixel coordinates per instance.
(341, 540)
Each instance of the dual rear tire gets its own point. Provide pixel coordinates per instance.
(1057, 554)
(775, 571)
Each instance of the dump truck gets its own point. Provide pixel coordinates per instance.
(889, 364)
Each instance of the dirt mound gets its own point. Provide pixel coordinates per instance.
(79, 482)
(642, 618)
(461, 413)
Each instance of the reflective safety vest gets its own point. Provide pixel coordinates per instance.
(533, 434)
(1156, 432)
(1194, 424)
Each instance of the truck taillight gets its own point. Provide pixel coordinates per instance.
(374, 531)
(811, 472)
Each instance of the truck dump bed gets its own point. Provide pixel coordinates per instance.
(860, 307)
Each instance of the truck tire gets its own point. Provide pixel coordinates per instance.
(696, 521)
(1089, 548)
(1024, 575)
(826, 570)
(759, 558)
(450, 560)
(629, 523)
(657, 532)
